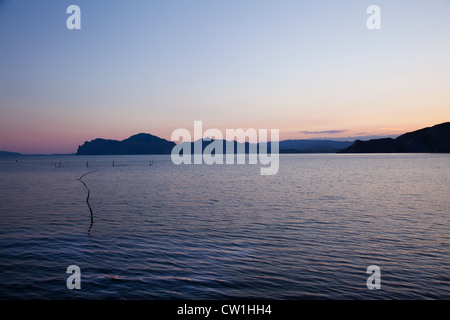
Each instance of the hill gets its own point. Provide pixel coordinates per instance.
(434, 139)
(313, 146)
(142, 143)
(9, 154)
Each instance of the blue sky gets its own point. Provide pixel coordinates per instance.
(153, 66)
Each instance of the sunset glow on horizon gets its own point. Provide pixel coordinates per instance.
(309, 68)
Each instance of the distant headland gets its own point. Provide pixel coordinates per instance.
(144, 143)
(434, 139)
(9, 154)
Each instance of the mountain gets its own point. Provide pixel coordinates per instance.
(237, 145)
(287, 146)
(9, 154)
(142, 143)
(434, 139)
(313, 146)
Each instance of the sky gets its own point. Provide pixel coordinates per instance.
(311, 69)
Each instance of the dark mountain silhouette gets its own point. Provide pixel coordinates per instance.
(238, 147)
(313, 146)
(370, 146)
(434, 139)
(9, 154)
(142, 143)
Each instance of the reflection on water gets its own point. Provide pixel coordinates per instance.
(216, 232)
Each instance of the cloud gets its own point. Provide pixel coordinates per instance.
(362, 137)
(324, 132)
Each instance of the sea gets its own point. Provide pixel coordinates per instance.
(141, 227)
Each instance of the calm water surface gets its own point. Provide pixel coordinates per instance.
(225, 231)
